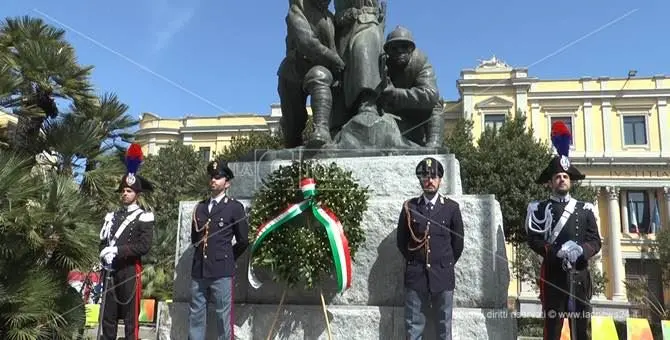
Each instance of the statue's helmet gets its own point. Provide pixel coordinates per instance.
(399, 34)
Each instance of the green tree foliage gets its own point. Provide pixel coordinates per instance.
(242, 145)
(45, 232)
(506, 162)
(58, 178)
(178, 173)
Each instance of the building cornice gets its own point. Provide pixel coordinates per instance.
(219, 128)
(600, 94)
(157, 131)
(621, 161)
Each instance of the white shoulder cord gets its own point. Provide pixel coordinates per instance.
(540, 226)
(107, 226)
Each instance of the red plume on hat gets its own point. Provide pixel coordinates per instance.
(561, 138)
(134, 158)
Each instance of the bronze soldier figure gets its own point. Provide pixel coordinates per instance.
(308, 70)
(430, 238)
(411, 92)
(360, 34)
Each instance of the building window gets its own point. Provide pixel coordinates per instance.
(568, 122)
(638, 212)
(634, 130)
(494, 121)
(205, 153)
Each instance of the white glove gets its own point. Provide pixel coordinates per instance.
(108, 254)
(574, 253)
(563, 252)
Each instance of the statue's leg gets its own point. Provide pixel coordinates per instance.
(294, 113)
(362, 75)
(317, 83)
(435, 127)
(412, 129)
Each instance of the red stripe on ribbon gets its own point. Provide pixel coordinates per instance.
(345, 244)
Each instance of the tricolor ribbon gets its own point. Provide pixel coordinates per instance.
(339, 245)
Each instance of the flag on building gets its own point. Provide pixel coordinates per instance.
(632, 211)
(655, 219)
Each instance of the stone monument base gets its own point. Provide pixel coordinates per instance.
(346, 322)
(373, 307)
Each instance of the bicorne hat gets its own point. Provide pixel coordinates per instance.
(560, 138)
(429, 167)
(131, 179)
(219, 168)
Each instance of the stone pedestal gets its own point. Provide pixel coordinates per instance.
(373, 307)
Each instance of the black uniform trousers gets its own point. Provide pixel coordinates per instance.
(122, 302)
(555, 293)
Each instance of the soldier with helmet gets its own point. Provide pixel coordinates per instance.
(309, 69)
(126, 237)
(564, 232)
(411, 90)
(215, 221)
(430, 239)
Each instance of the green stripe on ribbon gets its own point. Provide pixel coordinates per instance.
(339, 244)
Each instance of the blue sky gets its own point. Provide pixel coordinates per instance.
(207, 57)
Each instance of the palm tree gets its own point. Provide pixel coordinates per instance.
(44, 67)
(46, 232)
(57, 180)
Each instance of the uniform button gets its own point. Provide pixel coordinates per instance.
(428, 265)
(428, 223)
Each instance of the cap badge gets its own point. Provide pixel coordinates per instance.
(565, 163)
(214, 165)
(428, 162)
(130, 179)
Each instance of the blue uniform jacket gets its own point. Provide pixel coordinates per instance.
(214, 256)
(431, 241)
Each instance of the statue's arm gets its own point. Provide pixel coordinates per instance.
(307, 41)
(424, 93)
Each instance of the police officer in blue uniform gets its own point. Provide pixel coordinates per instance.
(564, 231)
(215, 221)
(430, 238)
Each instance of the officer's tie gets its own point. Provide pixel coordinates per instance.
(212, 205)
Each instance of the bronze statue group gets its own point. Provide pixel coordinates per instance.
(340, 61)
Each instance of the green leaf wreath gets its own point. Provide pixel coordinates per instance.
(299, 251)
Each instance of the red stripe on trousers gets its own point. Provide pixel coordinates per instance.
(138, 296)
(542, 292)
(232, 304)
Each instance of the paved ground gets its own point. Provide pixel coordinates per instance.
(146, 333)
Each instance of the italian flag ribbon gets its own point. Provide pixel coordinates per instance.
(339, 245)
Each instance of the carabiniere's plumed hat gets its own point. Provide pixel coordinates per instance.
(560, 138)
(429, 167)
(220, 168)
(131, 179)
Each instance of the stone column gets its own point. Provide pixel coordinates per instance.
(606, 108)
(624, 211)
(614, 235)
(666, 194)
